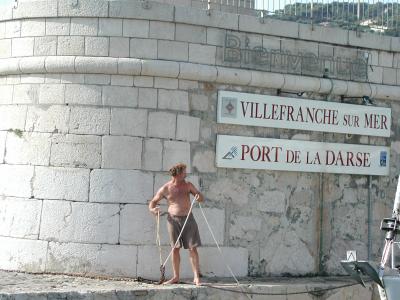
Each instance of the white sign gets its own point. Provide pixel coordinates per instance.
(351, 255)
(304, 156)
(292, 113)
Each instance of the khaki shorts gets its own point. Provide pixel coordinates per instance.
(190, 237)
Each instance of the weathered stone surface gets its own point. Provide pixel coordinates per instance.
(83, 94)
(22, 46)
(6, 94)
(128, 122)
(34, 27)
(34, 9)
(5, 48)
(152, 155)
(133, 217)
(20, 217)
(204, 161)
(162, 30)
(187, 128)
(3, 135)
(143, 81)
(173, 100)
(199, 102)
(29, 254)
(166, 83)
(98, 79)
(172, 50)
(120, 96)
(18, 179)
(190, 33)
(136, 28)
(76, 151)
(65, 221)
(51, 94)
(120, 186)
(61, 183)
(122, 80)
(70, 45)
(121, 152)
(161, 125)
(58, 26)
(143, 48)
(29, 148)
(114, 260)
(96, 46)
(88, 120)
(272, 202)
(47, 118)
(84, 26)
(12, 117)
(46, 45)
(84, 8)
(175, 152)
(119, 47)
(110, 27)
(134, 10)
(216, 219)
(202, 54)
(25, 94)
(147, 98)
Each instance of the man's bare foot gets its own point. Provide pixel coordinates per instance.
(196, 281)
(173, 280)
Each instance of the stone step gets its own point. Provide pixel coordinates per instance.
(21, 286)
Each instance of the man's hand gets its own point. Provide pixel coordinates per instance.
(155, 210)
(197, 197)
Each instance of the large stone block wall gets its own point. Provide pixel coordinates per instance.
(98, 100)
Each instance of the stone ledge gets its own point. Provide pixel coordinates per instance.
(188, 71)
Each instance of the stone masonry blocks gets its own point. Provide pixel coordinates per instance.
(162, 30)
(66, 221)
(6, 93)
(202, 54)
(89, 120)
(5, 48)
(120, 96)
(174, 100)
(61, 183)
(70, 45)
(96, 46)
(148, 97)
(91, 259)
(20, 217)
(84, 26)
(3, 135)
(152, 155)
(47, 118)
(125, 121)
(216, 219)
(83, 94)
(136, 28)
(110, 27)
(134, 216)
(18, 180)
(121, 152)
(29, 253)
(30, 148)
(76, 151)
(190, 33)
(120, 186)
(58, 26)
(22, 46)
(172, 50)
(12, 117)
(161, 125)
(35, 27)
(119, 47)
(84, 8)
(143, 48)
(187, 128)
(175, 152)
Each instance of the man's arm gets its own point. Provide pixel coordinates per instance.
(195, 192)
(153, 205)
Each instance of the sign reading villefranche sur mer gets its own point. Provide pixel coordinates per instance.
(292, 113)
(305, 156)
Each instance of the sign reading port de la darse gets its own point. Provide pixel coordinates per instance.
(305, 156)
(301, 114)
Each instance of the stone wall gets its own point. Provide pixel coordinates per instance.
(98, 99)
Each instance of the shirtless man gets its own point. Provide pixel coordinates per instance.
(177, 192)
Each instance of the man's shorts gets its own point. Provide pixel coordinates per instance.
(190, 237)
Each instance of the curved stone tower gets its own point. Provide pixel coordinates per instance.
(99, 98)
